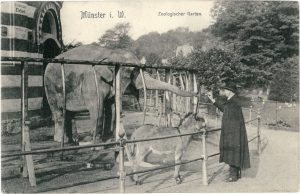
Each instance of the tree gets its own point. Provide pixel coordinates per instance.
(285, 85)
(165, 44)
(263, 33)
(153, 59)
(71, 45)
(117, 37)
(217, 66)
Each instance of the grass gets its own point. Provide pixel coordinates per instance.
(269, 115)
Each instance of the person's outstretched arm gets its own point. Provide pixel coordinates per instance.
(217, 103)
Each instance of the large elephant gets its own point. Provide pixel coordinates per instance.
(81, 93)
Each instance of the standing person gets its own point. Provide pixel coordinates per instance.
(234, 149)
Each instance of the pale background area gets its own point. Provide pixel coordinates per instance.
(142, 15)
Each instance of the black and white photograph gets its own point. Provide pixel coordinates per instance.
(139, 96)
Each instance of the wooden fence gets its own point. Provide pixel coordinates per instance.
(121, 141)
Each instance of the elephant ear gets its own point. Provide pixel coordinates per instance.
(107, 75)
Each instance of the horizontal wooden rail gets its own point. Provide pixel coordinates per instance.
(253, 110)
(213, 130)
(252, 139)
(82, 182)
(250, 120)
(100, 145)
(171, 136)
(164, 167)
(86, 62)
(42, 151)
(212, 155)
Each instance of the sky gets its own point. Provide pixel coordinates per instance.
(144, 16)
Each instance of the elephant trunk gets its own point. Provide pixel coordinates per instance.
(154, 84)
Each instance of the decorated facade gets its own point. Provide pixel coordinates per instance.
(28, 29)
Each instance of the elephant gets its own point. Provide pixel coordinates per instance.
(80, 87)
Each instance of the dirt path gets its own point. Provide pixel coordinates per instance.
(276, 170)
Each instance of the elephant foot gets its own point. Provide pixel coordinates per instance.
(138, 182)
(178, 179)
(57, 138)
(87, 138)
(134, 178)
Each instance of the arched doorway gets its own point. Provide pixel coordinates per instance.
(49, 41)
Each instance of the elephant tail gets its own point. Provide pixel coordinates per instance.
(132, 147)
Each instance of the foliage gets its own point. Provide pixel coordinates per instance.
(117, 37)
(71, 45)
(285, 85)
(153, 59)
(217, 66)
(164, 45)
(263, 33)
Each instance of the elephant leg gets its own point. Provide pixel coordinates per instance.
(58, 129)
(68, 125)
(58, 126)
(96, 116)
(109, 122)
(178, 156)
(113, 120)
(96, 120)
(91, 101)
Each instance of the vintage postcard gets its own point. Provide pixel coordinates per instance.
(145, 96)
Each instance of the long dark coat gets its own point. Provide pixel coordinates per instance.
(234, 148)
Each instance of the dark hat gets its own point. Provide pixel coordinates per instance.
(230, 86)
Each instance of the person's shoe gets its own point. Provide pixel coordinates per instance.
(239, 174)
(231, 179)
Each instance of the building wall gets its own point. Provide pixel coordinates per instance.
(22, 36)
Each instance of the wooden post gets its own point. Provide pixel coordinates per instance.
(151, 95)
(28, 166)
(190, 76)
(98, 103)
(64, 108)
(276, 114)
(188, 99)
(204, 162)
(24, 105)
(250, 113)
(156, 92)
(150, 99)
(258, 133)
(29, 159)
(118, 100)
(161, 103)
(168, 99)
(174, 98)
(195, 90)
(122, 173)
(145, 95)
(181, 98)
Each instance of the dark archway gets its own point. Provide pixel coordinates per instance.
(51, 50)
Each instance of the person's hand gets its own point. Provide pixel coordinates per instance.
(209, 94)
